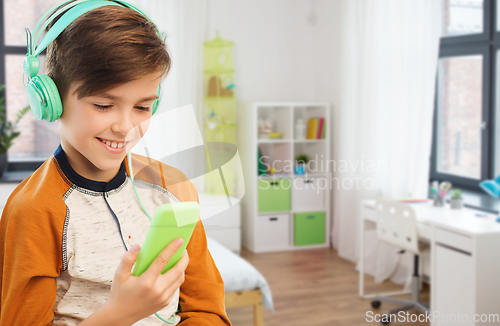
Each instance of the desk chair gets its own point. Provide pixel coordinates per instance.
(397, 225)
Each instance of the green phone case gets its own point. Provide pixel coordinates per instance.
(171, 221)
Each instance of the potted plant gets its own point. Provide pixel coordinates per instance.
(301, 162)
(456, 201)
(8, 132)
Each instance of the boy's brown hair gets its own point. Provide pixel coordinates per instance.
(104, 48)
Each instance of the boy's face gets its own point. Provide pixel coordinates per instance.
(97, 131)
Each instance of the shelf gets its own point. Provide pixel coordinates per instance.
(270, 141)
(277, 155)
(317, 151)
(310, 141)
(306, 175)
(265, 140)
(293, 211)
(220, 98)
(279, 118)
(273, 176)
(273, 213)
(222, 124)
(306, 190)
(311, 175)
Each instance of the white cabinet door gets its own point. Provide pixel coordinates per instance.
(272, 232)
(308, 194)
(454, 296)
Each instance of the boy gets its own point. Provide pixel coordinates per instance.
(69, 233)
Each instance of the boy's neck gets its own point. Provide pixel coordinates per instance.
(85, 168)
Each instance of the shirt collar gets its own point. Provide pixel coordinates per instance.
(83, 182)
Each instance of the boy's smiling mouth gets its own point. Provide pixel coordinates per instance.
(114, 144)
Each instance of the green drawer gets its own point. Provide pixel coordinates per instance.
(274, 195)
(309, 228)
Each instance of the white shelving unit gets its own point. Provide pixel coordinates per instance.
(264, 230)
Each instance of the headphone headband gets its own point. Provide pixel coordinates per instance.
(76, 9)
(62, 6)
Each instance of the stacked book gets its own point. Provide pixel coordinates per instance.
(316, 128)
(262, 163)
(270, 135)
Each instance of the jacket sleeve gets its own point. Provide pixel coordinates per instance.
(202, 293)
(30, 262)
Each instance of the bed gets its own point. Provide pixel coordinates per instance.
(244, 285)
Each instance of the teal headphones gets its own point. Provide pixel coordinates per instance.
(43, 95)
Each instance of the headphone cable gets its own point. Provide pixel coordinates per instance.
(129, 157)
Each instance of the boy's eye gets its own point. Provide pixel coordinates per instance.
(102, 107)
(105, 107)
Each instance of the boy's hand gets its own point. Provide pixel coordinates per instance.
(134, 298)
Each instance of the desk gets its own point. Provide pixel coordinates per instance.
(465, 261)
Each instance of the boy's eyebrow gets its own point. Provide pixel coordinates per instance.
(111, 97)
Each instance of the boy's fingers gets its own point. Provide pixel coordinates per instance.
(173, 287)
(182, 263)
(178, 269)
(127, 262)
(161, 261)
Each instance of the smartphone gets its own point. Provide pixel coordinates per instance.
(171, 221)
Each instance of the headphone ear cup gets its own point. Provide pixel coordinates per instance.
(156, 103)
(54, 104)
(44, 98)
(36, 101)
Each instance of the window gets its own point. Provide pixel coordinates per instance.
(463, 17)
(463, 150)
(38, 139)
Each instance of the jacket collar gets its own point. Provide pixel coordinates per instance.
(85, 183)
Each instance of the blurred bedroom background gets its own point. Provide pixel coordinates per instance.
(289, 116)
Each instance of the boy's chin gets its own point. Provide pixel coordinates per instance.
(109, 164)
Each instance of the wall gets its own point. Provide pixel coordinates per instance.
(273, 47)
(326, 50)
(284, 50)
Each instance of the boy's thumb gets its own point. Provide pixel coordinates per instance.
(129, 259)
(135, 248)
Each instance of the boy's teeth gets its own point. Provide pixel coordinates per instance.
(113, 144)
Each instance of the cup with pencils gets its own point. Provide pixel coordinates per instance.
(440, 190)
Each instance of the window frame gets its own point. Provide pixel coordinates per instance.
(488, 21)
(485, 44)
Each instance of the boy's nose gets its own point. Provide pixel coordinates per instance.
(123, 124)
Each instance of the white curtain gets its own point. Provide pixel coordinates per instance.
(383, 125)
(185, 25)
